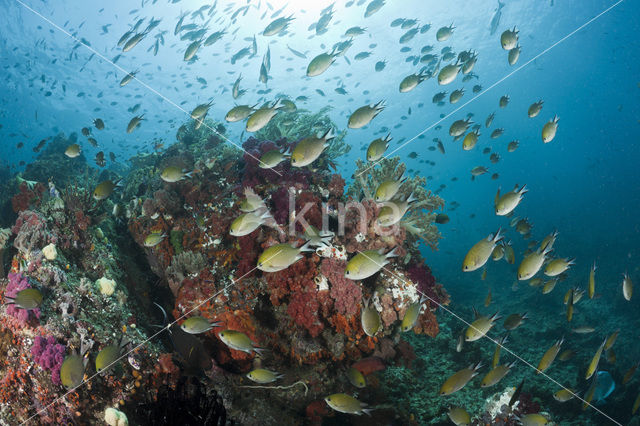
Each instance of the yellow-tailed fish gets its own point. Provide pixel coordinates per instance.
(108, 356)
(534, 108)
(248, 222)
(504, 101)
(261, 117)
(411, 315)
(377, 148)
(29, 298)
(549, 130)
(238, 341)
(514, 55)
(459, 379)
(344, 403)
(593, 365)
(549, 356)
(480, 252)
(627, 287)
(309, 149)
(356, 378)
(172, 174)
(191, 50)
(367, 263)
(456, 95)
(480, 327)
(496, 374)
(506, 203)
(281, 256)
(564, 395)
(532, 263)
(592, 281)
(514, 321)
(496, 354)
(363, 115)
(611, 340)
(153, 239)
(72, 371)
(549, 240)
(459, 416)
(558, 266)
(392, 211)
(197, 325)
(133, 41)
(263, 376)
(370, 319)
(127, 78)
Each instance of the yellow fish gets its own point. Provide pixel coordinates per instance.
(592, 281)
(480, 252)
(496, 374)
(532, 263)
(549, 356)
(506, 203)
(459, 379)
(480, 327)
(593, 365)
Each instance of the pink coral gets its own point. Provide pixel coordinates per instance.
(346, 293)
(17, 283)
(303, 308)
(31, 231)
(49, 355)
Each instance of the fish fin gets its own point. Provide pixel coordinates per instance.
(392, 253)
(306, 247)
(260, 351)
(328, 134)
(368, 411)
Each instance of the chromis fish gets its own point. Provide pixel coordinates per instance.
(533, 419)
(248, 222)
(456, 95)
(367, 263)
(127, 78)
(458, 128)
(201, 110)
(448, 73)
(98, 123)
(388, 189)
(277, 26)
(239, 113)
(593, 365)
(592, 281)
(611, 340)
(506, 203)
(252, 201)
(549, 130)
(363, 115)
(558, 266)
(197, 325)
(411, 81)
(480, 252)
(459, 416)
(392, 211)
(191, 50)
(109, 355)
(104, 189)
(320, 64)
(549, 356)
(509, 39)
(513, 145)
(272, 158)
(134, 123)
(370, 319)
(532, 263)
(356, 378)
(514, 55)
(564, 395)
(263, 376)
(459, 379)
(73, 367)
(549, 286)
(535, 108)
(261, 117)
(444, 33)
(377, 148)
(154, 238)
(27, 299)
(514, 321)
(627, 287)
(411, 315)
(73, 150)
(238, 341)
(172, 174)
(480, 327)
(470, 140)
(496, 374)
(280, 256)
(509, 254)
(344, 403)
(496, 353)
(309, 149)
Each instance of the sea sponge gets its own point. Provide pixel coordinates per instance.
(114, 417)
(50, 252)
(106, 286)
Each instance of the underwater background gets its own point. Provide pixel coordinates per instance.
(123, 226)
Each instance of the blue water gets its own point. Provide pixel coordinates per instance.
(585, 183)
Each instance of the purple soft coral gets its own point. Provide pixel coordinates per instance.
(17, 283)
(49, 355)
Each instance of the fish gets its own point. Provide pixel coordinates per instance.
(198, 325)
(363, 115)
(261, 117)
(496, 374)
(370, 319)
(470, 140)
(154, 238)
(509, 39)
(592, 281)
(280, 256)
(172, 174)
(532, 263)
(277, 26)
(444, 33)
(506, 203)
(513, 145)
(98, 123)
(549, 356)
(248, 222)
(373, 7)
(611, 340)
(411, 315)
(411, 81)
(252, 201)
(628, 375)
(558, 266)
(271, 159)
(104, 189)
(367, 263)
(534, 419)
(392, 211)
(583, 330)
(535, 108)
(627, 287)
(489, 119)
(239, 113)
(309, 149)
(459, 416)
(356, 378)
(514, 55)
(514, 321)
(109, 355)
(263, 376)
(564, 395)
(238, 341)
(593, 365)
(549, 130)
(549, 286)
(496, 353)
(388, 189)
(133, 41)
(377, 148)
(73, 150)
(448, 73)
(478, 255)
(458, 127)
(480, 327)
(134, 123)
(320, 64)
(495, 19)
(459, 379)
(26, 299)
(201, 110)
(127, 78)
(456, 95)
(213, 37)
(344, 403)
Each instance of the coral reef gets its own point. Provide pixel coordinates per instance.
(49, 354)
